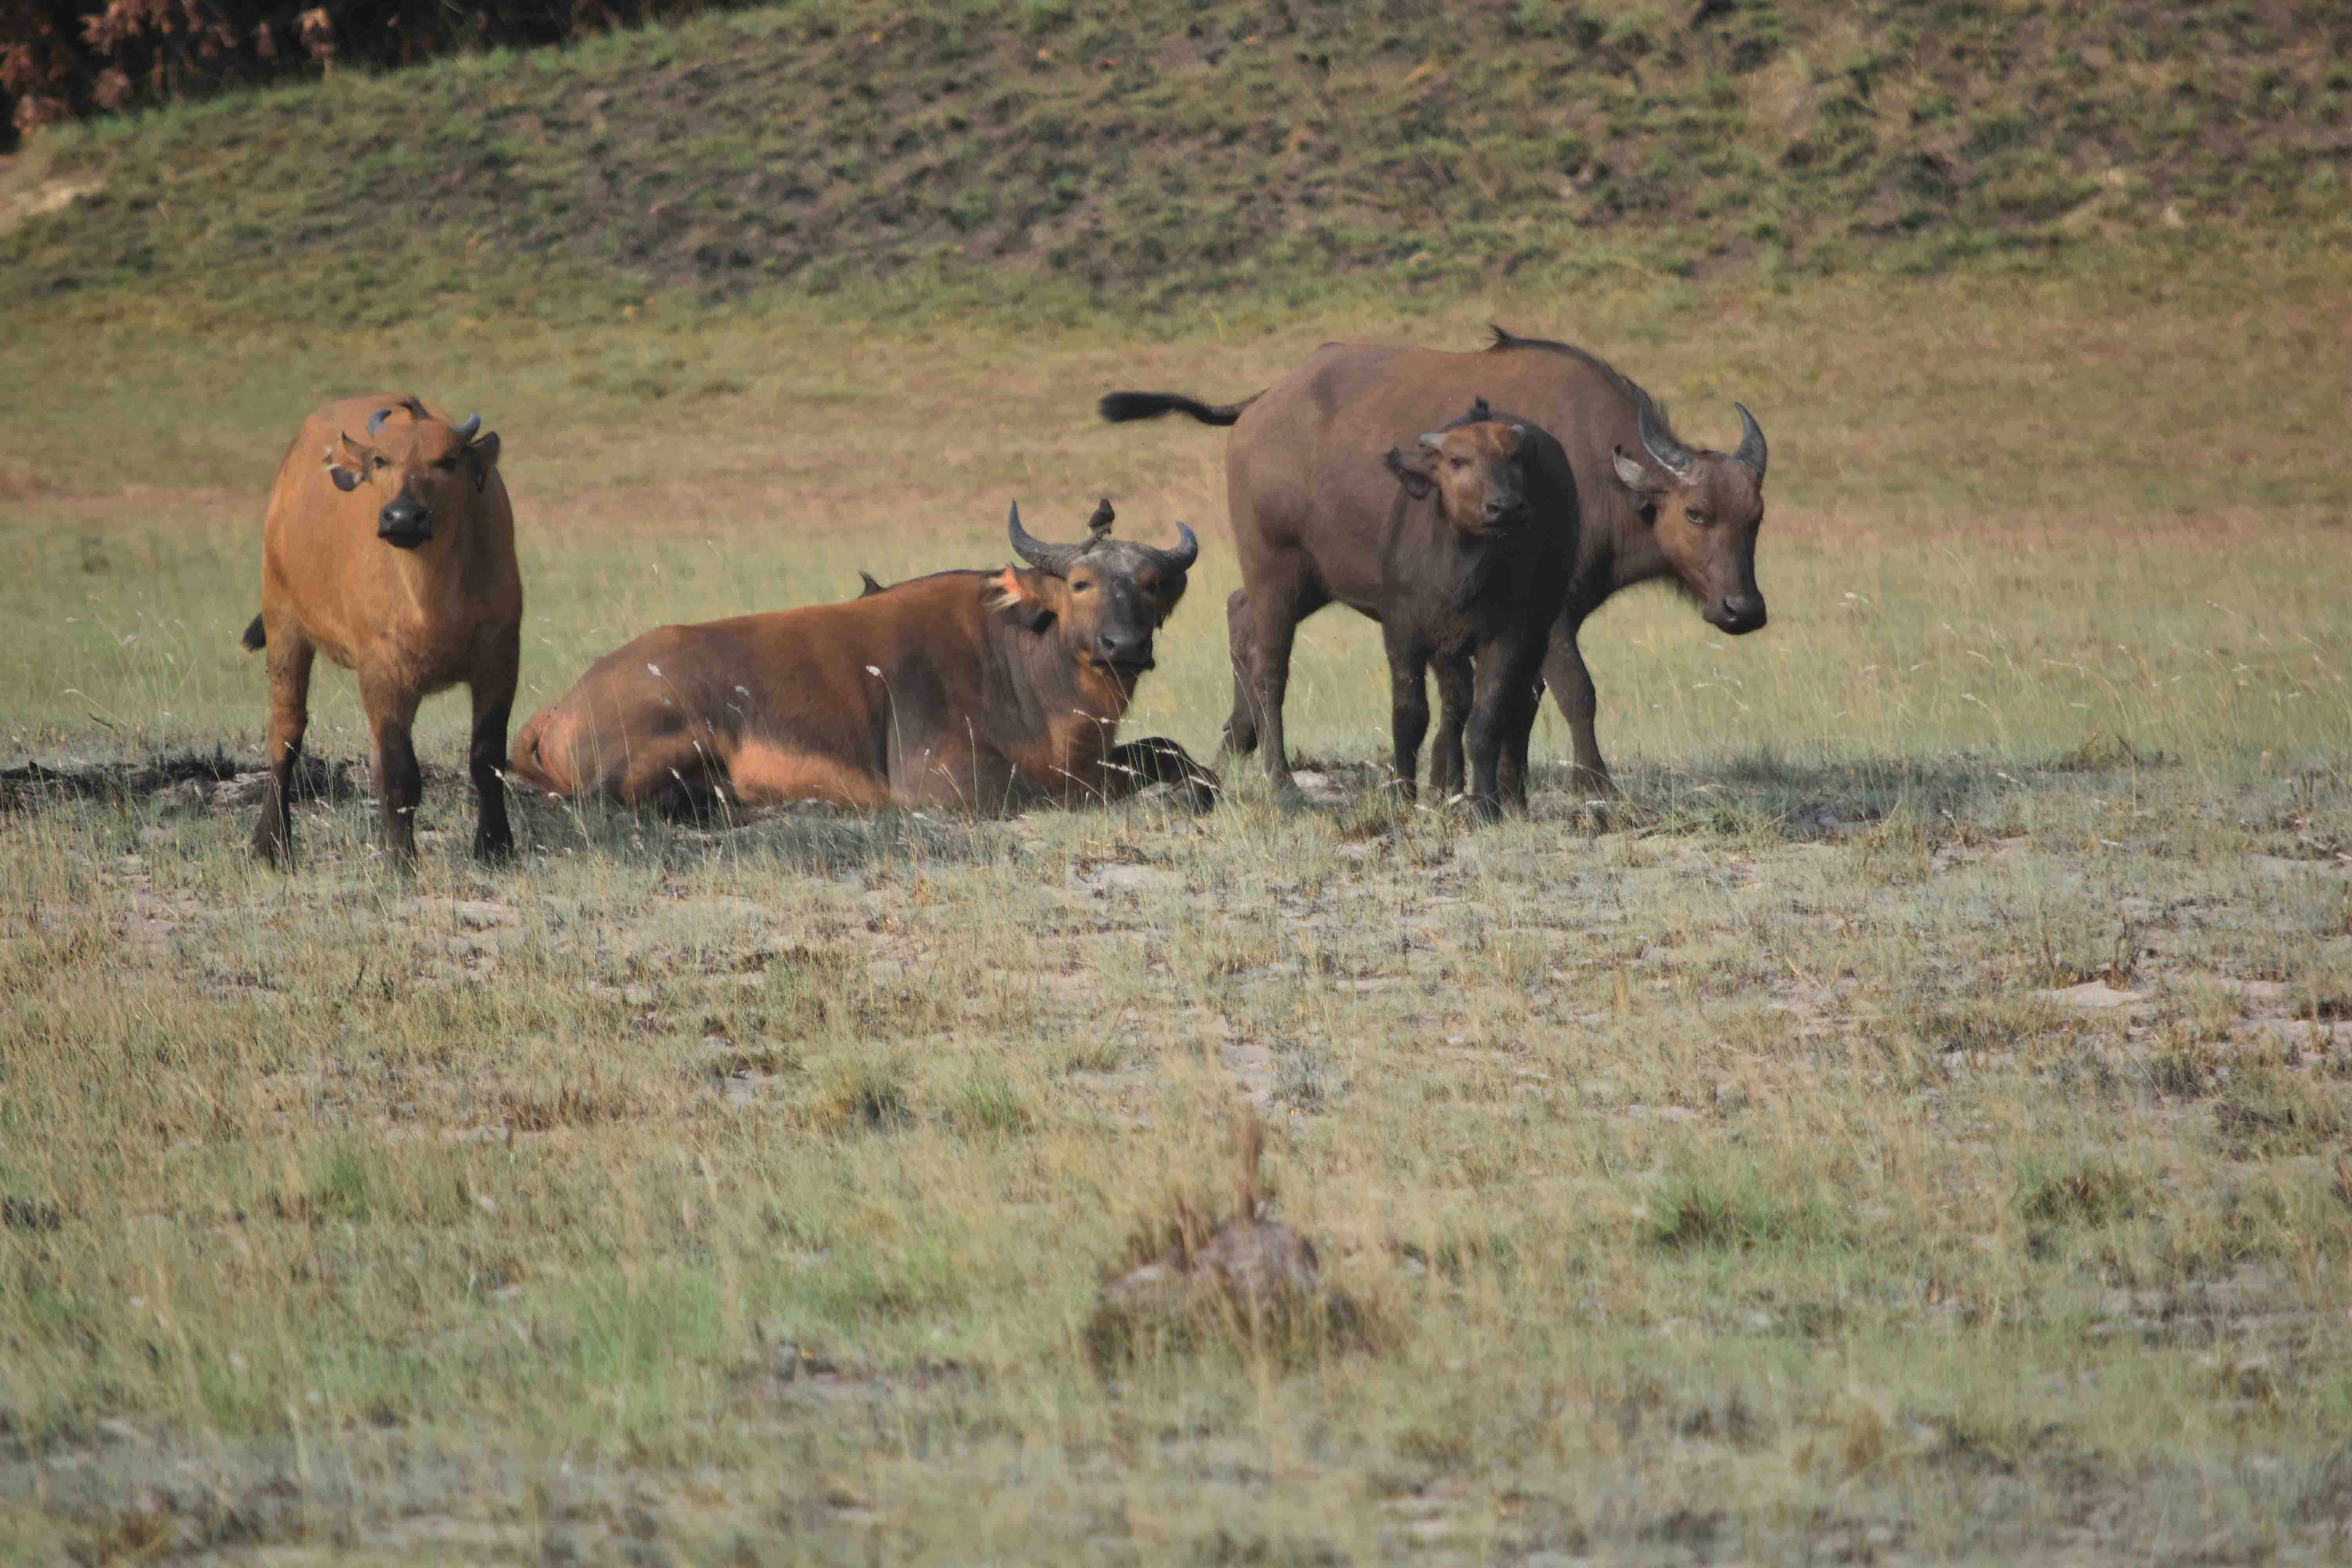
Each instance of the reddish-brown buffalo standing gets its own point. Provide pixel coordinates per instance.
(388, 547)
(990, 690)
(1303, 465)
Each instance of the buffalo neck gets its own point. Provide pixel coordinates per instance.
(1034, 675)
(1616, 551)
(1422, 548)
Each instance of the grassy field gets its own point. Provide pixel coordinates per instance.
(1914, 1128)
(1746, 1179)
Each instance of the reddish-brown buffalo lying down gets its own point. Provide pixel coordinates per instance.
(392, 552)
(990, 690)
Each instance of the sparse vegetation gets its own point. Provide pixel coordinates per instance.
(1910, 1128)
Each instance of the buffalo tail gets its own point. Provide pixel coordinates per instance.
(1119, 407)
(253, 638)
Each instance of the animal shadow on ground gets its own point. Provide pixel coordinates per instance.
(1758, 793)
(820, 839)
(832, 840)
(175, 782)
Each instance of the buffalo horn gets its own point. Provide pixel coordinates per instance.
(1664, 449)
(1180, 559)
(465, 432)
(1054, 558)
(376, 421)
(1751, 441)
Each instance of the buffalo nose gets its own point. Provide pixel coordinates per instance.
(402, 517)
(1499, 506)
(1125, 648)
(1740, 613)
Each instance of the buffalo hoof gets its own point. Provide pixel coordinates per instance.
(1592, 784)
(498, 850)
(1199, 790)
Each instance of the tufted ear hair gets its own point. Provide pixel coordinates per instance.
(482, 456)
(1412, 468)
(1631, 474)
(1010, 592)
(347, 463)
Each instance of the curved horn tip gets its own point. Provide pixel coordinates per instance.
(473, 425)
(1187, 551)
(1751, 441)
(1052, 558)
(376, 421)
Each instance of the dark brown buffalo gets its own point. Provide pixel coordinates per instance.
(1467, 569)
(990, 690)
(391, 551)
(1297, 467)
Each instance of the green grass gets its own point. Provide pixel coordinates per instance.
(1742, 1180)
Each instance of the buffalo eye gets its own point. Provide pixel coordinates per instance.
(1457, 462)
(1082, 587)
(448, 465)
(1697, 518)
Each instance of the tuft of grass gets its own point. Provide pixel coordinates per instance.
(1738, 1210)
(2089, 1197)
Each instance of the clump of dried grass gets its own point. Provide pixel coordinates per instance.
(1244, 1283)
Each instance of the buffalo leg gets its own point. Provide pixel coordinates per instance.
(1241, 728)
(1407, 703)
(399, 783)
(1155, 760)
(1445, 778)
(290, 655)
(1498, 698)
(1275, 611)
(1522, 695)
(1572, 687)
(493, 693)
(1515, 748)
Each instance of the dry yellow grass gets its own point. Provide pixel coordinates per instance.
(1913, 1131)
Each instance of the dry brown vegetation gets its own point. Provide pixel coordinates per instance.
(1913, 1129)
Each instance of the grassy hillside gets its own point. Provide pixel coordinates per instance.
(1131, 156)
(1910, 1130)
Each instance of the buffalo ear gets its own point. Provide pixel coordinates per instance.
(1412, 470)
(353, 468)
(1008, 592)
(1636, 479)
(484, 455)
(1631, 474)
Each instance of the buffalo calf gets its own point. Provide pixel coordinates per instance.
(388, 547)
(1476, 563)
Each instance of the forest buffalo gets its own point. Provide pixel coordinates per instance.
(987, 690)
(393, 552)
(1300, 467)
